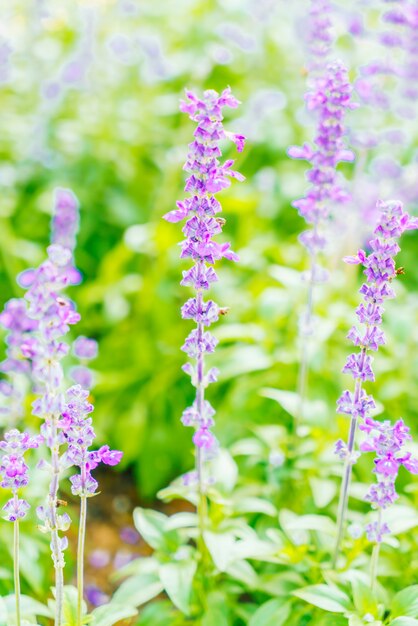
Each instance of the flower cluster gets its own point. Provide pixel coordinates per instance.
(330, 99)
(387, 440)
(207, 176)
(76, 425)
(14, 471)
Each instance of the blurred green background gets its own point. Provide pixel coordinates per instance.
(91, 103)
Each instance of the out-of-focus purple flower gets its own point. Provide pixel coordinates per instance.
(122, 558)
(82, 376)
(128, 534)
(207, 176)
(330, 98)
(14, 471)
(99, 558)
(318, 33)
(96, 596)
(5, 55)
(85, 348)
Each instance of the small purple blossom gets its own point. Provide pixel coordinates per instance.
(85, 348)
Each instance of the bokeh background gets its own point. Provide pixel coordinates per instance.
(89, 100)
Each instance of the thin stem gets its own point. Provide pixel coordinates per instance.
(375, 555)
(16, 568)
(304, 336)
(348, 465)
(80, 557)
(343, 502)
(55, 539)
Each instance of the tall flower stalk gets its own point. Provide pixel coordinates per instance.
(329, 100)
(207, 177)
(14, 476)
(379, 268)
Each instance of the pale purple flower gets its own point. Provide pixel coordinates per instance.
(77, 429)
(329, 100)
(14, 472)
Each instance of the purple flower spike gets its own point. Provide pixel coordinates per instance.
(382, 438)
(329, 99)
(207, 176)
(379, 268)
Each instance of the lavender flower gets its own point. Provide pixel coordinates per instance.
(76, 427)
(379, 268)
(44, 347)
(330, 99)
(318, 33)
(14, 471)
(15, 320)
(79, 434)
(14, 476)
(387, 441)
(405, 18)
(207, 177)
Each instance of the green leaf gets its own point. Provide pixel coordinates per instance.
(319, 523)
(255, 505)
(69, 608)
(323, 491)
(177, 578)
(221, 547)
(272, 613)
(405, 602)
(325, 597)
(151, 525)
(404, 621)
(29, 607)
(111, 613)
(244, 573)
(364, 601)
(138, 590)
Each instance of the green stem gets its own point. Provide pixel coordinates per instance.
(16, 568)
(80, 558)
(375, 556)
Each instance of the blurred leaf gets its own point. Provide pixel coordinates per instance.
(405, 602)
(177, 579)
(111, 614)
(137, 590)
(325, 597)
(272, 613)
